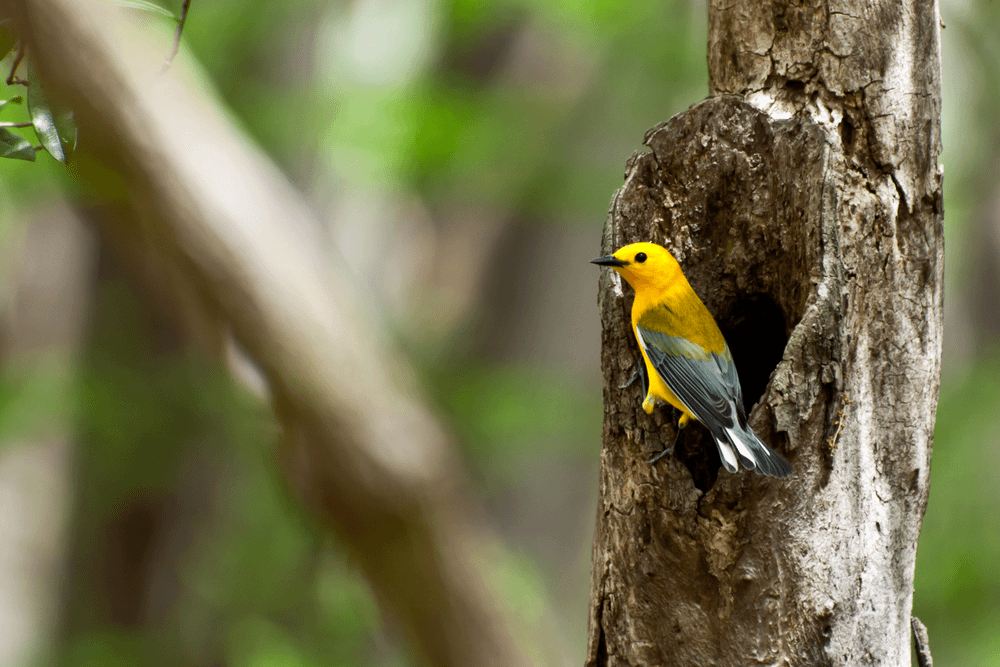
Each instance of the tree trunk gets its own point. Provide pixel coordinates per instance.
(45, 290)
(803, 201)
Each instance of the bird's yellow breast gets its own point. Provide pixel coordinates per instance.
(659, 388)
(677, 311)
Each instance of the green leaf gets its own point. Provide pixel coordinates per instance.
(54, 126)
(15, 146)
(13, 100)
(7, 40)
(143, 5)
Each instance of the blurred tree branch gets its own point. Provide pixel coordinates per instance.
(360, 446)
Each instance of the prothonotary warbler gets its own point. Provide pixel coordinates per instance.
(688, 363)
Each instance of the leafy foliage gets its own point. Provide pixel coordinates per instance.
(54, 126)
(15, 146)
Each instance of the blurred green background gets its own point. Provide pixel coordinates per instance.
(461, 156)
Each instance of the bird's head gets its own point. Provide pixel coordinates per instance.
(643, 265)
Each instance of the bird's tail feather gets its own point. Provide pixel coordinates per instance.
(754, 454)
(727, 454)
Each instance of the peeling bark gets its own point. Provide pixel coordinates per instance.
(804, 203)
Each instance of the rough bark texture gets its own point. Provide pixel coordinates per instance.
(804, 203)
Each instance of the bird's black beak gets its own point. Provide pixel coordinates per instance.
(610, 260)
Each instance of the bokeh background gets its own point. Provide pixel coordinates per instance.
(461, 156)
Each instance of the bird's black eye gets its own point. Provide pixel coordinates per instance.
(640, 258)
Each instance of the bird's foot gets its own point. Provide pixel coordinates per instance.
(666, 450)
(639, 373)
(631, 380)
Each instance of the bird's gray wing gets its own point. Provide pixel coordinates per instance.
(705, 382)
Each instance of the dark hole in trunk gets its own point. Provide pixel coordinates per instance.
(754, 328)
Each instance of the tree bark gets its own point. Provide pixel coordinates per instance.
(803, 201)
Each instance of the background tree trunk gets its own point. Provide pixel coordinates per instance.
(803, 201)
(48, 273)
(360, 445)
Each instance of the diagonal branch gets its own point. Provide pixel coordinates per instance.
(362, 449)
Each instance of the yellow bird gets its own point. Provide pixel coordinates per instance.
(687, 360)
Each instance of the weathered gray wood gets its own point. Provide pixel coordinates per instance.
(805, 208)
(921, 643)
